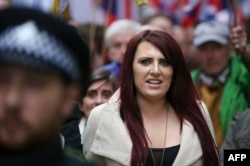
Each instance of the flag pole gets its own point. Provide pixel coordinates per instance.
(110, 4)
(235, 23)
(234, 4)
(92, 33)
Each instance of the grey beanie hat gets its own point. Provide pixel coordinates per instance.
(38, 40)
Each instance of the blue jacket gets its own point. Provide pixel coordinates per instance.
(113, 67)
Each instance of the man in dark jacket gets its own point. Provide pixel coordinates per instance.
(238, 135)
(43, 62)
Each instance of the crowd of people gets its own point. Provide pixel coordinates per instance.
(145, 92)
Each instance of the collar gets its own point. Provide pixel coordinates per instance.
(221, 79)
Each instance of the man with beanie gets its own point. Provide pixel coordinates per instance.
(222, 79)
(43, 63)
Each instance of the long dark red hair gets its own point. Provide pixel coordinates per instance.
(181, 95)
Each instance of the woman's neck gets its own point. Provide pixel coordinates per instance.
(152, 108)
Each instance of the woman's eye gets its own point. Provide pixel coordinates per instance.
(164, 62)
(91, 94)
(145, 62)
(107, 94)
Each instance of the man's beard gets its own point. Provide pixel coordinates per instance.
(30, 138)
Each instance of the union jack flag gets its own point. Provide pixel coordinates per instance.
(103, 11)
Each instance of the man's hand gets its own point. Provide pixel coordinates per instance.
(238, 38)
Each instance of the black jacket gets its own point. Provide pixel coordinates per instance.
(70, 130)
(45, 155)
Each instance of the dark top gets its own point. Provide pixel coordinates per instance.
(169, 156)
(70, 130)
(238, 134)
(50, 154)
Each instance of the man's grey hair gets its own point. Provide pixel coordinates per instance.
(119, 26)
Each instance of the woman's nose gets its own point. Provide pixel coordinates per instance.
(155, 69)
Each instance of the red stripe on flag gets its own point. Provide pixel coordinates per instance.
(185, 2)
(109, 18)
(217, 4)
(128, 9)
(176, 5)
(193, 16)
(155, 3)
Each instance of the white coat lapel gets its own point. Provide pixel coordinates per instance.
(112, 139)
(190, 149)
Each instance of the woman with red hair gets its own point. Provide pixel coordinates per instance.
(156, 117)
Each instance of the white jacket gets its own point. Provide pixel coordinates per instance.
(106, 139)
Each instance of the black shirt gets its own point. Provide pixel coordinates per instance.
(168, 159)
